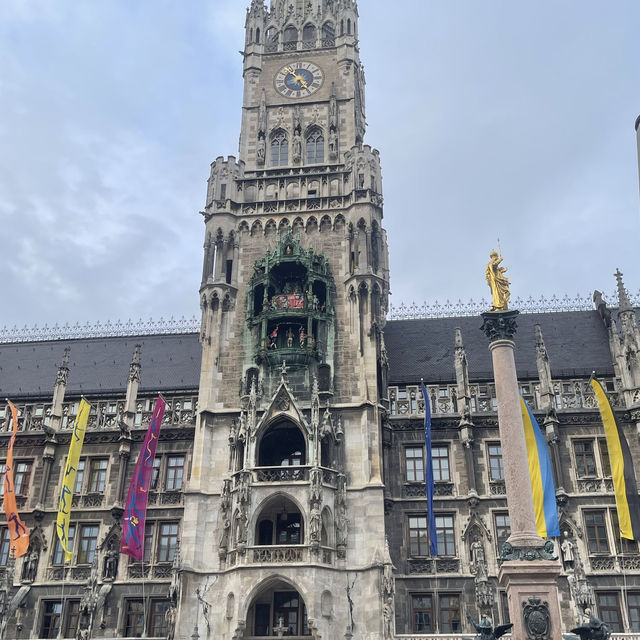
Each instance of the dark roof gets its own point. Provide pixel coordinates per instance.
(100, 365)
(577, 343)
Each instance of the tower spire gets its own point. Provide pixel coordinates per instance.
(624, 304)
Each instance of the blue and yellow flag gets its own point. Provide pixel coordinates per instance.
(541, 475)
(624, 477)
(69, 478)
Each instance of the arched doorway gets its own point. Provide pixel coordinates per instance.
(278, 607)
(282, 445)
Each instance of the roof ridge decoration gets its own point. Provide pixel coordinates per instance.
(448, 309)
(99, 329)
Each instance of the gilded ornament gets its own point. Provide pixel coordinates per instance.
(498, 283)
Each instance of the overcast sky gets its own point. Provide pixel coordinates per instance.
(501, 118)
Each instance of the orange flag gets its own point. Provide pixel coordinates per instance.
(19, 534)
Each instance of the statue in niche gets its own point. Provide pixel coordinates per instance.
(567, 550)
(333, 145)
(315, 523)
(31, 566)
(316, 486)
(170, 620)
(290, 337)
(110, 566)
(342, 528)
(387, 613)
(498, 283)
(224, 539)
(241, 527)
(261, 151)
(478, 559)
(297, 148)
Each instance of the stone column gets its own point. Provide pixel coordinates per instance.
(529, 568)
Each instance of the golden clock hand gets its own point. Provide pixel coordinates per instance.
(289, 71)
(301, 81)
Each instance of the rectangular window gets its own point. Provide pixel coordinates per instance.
(87, 543)
(609, 608)
(155, 473)
(440, 457)
(418, 542)
(175, 471)
(596, 531)
(3, 468)
(133, 618)
(585, 458)
(503, 528)
(223, 192)
(623, 545)
(51, 612)
(167, 541)
(157, 620)
(21, 478)
(414, 464)
(77, 489)
(633, 600)
(98, 475)
(4, 546)
(604, 457)
(148, 541)
(72, 617)
(496, 466)
(449, 614)
(422, 613)
(446, 536)
(58, 551)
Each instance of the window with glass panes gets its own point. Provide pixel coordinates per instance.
(157, 619)
(97, 475)
(496, 466)
(503, 528)
(446, 536)
(414, 464)
(315, 147)
(633, 602)
(449, 614)
(51, 612)
(155, 473)
(422, 613)
(58, 551)
(279, 150)
(72, 615)
(440, 457)
(149, 529)
(21, 477)
(133, 619)
(167, 541)
(609, 609)
(596, 527)
(87, 541)
(5, 546)
(585, 458)
(175, 471)
(604, 457)
(3, 468)
(418, 540)
(77, 488)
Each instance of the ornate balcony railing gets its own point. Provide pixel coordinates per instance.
(279, 554)
(430, 566)
(281, 474)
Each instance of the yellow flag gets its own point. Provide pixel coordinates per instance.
(69, 478)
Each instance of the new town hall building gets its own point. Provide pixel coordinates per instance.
(287, 495)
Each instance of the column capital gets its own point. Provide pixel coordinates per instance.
(500, 325)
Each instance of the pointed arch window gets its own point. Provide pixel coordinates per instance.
(309, 34)
(279, 150)
(315, 147)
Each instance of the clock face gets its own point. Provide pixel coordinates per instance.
(299, 79)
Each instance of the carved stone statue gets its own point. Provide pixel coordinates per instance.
(498, 283)
(224, 539)
(170, 619)
(261, 150)
(342, 528)
(315, 523)
(297, 148)
(110, 565)
(315, 489)
(478, 559)
(387, 614)
(31, 566)
(485, 628)
(567, 550)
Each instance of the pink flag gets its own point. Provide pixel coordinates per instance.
(135, 511)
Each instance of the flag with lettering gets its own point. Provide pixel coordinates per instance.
(69, 477)
(18, 533)
(135, 510)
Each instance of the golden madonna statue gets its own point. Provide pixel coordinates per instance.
(498, 283)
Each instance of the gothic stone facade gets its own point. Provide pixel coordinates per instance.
(288, 493)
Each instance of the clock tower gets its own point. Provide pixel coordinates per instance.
(284, 515)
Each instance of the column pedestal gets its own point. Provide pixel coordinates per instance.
(536, 579)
